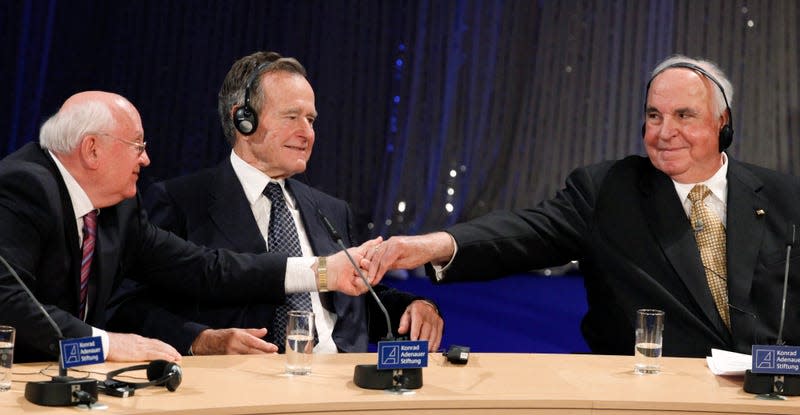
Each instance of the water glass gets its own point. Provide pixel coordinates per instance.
(649, 341)
(6, 356)
(299, 342)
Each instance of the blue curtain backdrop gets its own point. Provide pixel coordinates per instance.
(431, 111)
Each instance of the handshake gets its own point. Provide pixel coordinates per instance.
(376, 256)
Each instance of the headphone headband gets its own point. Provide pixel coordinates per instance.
(159, 372)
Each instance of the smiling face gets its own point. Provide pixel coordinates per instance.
(681, 128)
(282, 144)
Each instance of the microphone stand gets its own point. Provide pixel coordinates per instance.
(61, 390)
(368, 376)
(776, 386)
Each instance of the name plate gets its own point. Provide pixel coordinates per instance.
(779, 360)
(82, 351)
(403, 354)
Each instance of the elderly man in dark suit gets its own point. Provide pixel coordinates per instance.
(267, 110)
(72, 229)
(687, 230)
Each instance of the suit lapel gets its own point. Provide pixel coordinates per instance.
(321, 242)
(745, 231)
(672, 230)
(229, 209)
(72, 242)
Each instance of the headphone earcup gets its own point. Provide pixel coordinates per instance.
(245, 121)
(176, 377)
(725, 137)
(165, 373)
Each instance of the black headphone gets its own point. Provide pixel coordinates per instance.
(159, 373)
(245, 119)
(726, 133)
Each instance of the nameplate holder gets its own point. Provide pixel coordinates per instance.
(82, 351)
(778, 360)
(403, 354)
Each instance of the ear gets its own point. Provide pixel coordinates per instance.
(90, 151)
(725, 117)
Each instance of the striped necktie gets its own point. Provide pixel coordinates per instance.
(89, 236)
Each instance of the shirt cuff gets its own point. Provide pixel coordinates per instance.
(439, 270)
(103, 339)
(300, 277)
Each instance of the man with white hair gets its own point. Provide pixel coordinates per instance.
(687, 230)
(72, 229)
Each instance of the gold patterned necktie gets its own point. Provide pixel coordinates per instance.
(710, 236)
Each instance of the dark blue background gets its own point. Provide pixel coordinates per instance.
(521, 313)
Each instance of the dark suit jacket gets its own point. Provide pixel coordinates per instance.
(624, 223)
(210, 208)
(38, 237)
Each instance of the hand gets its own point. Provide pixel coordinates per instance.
(407, 252)
(342, 276)
(232, 341)
(125, 347)
(425, 323)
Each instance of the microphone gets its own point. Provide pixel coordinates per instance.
(368, 376)
(773, 386)
(336, 237)
(789, 243)
(61, 390)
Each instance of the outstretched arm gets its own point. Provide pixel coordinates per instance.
(407, 252)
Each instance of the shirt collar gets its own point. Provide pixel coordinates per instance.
(718, 183)
(254, 181)
(81, 205)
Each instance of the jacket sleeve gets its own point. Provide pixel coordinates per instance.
(143, 307)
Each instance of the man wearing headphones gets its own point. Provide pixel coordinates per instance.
(687, 230)
(266, 106)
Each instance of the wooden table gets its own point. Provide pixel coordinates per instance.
(490, 383)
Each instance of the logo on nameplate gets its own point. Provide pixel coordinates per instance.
(83, 351)
(779, 360)
(405, 354)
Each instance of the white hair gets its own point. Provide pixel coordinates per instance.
(711, 69)
(62, 132)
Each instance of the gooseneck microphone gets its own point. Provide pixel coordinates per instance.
(368, 376)
(62, 371)
(61, 390)
(789, 243)
(775, 386)
(336, 237)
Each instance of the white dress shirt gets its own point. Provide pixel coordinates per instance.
(299, 275)
(717, 200)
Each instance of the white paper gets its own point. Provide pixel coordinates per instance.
(725, 363)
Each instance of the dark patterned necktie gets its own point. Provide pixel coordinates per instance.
(282, 237)
(710, 236)
(89, 236)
